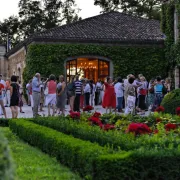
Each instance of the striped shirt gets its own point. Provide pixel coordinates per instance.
(78, 85)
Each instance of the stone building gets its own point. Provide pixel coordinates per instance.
(106, 31)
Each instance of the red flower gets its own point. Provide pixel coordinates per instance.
(178, 110)
(88, 108)
(159, 109)
(156, 131)
(74, 115)
(97, 114)
(138, 128)
(108, 127)
(170, 126)
(158, 120)
(95, 120)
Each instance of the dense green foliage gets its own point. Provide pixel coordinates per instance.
(31, 163)
(4, 122)
(145, 8)
(115, 139)
(35, 16)
(160, 162)
(48, 59)
(77, 154)
(139, 165)
(6, 164)
(171, 101)
(167, 27)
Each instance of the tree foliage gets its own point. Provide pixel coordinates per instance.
(35, 16)
(146, 8)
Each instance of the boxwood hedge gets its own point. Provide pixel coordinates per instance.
(77, 154)
(171, 101)
(6, 164)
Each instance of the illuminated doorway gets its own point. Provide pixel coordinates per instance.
(90, 68)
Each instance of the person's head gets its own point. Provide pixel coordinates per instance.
(128, 76)
(52, 77)
(77, 77)
(13, 78)
(109, 80)
(168, 80)
(152, 81)
(61, 78)
(131, 80)
(72, 79)
(99, 80)
(119, 80)
(158, 79)
(0, 76)
(142, 78)
(37, 75)
(8, 79)
(91, 81)
(140, 75)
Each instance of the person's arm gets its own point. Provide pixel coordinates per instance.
(62, 90)
(11, 90)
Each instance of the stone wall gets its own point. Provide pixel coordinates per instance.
(3, 62)
(16, 63)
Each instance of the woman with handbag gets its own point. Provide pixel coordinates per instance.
(142, 92)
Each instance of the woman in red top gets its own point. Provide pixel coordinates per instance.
(109, 99)
(51, 97)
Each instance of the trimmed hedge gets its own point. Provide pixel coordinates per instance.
(139, 165)
(6, 164)
(77, 154)
(171, 101)
(115, 139)
(4, 122)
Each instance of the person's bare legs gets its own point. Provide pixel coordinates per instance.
(49, 107)
(3, 108)
(16, 111)
(72, 103)
(110, 109)
(53, 107)
(12, 111)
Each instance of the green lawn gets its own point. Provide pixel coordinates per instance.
(33, 164)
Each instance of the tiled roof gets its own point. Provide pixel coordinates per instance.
(112, 27)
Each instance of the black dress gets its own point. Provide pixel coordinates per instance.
(15, 95)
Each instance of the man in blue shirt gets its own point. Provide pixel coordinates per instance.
(36, 93)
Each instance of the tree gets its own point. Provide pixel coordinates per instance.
(143, 8)
(10, 27)
(36, 16)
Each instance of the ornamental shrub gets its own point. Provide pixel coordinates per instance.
(115, 139)
(171, 101)
(6, 164)
(77, 154)
(139, 165)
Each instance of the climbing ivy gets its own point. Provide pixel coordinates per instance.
(49, 58)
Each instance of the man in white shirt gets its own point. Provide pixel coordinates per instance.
(97, 92)
(119, 90)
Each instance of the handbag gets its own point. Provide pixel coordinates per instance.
(46, 91)
(143, 92)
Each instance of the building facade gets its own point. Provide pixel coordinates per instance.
(105, 45)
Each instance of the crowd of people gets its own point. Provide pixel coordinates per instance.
(133, 95)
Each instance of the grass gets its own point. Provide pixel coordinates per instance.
(32, 164)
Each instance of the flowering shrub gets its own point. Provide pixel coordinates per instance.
(158, 120)
(95, 120)
(108, 127)
(97, 114)
(88, 108)
(160, 109)
(170, 126)
(75, 115)
(138, 128)
(178, 111)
